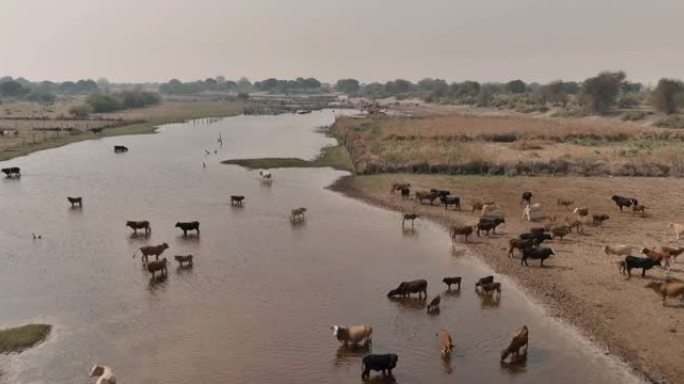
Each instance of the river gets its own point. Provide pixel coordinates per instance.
(258, 304)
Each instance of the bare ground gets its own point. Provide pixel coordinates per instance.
(580, 285)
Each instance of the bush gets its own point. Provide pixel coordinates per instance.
(672, 121)
(103, 103)
(42, 97)
(81, 111)
(668, 95)
(629, 100)
(633, 115)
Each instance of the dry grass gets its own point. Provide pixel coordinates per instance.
(510, 145)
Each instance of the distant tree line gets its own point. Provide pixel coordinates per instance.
(600, 94)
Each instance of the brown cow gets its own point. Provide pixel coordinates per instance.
(519, 341)
(152, 250)
(135, 225)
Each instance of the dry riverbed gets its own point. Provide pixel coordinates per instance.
(580, 285)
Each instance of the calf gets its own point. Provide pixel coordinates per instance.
(633, 262)
(461, 230)
(451, 200)
(536, 253)
(560, 231)
(433, 305)
(406, 288)
(189, 226)
(184, 259)
(384, 363)
(236, 199)
(157, 266)
(449, 281)
(409, 216)
(599, 219)
(622, 201)
(75, 200)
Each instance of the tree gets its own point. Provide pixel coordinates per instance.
(600, 93)
(554, 93)
(668, 95)
(11, 88)
(516, 86)
(348, 86)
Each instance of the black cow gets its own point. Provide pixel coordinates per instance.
(632, 262)
(537, 237)
(484, 280)
(120, 149)
(440, 192)
(12, 171)
(536, 253)
(189, 226)
(451, 200)
(526, 197)
(452, 280)
(622, 201)
(75, 200)
(489, 224)
(406, 288)
(236, 199)
(384, 363)
(405, 192)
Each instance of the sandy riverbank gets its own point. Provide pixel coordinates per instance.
(580, 285)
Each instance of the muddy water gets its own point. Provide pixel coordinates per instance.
(258, 305)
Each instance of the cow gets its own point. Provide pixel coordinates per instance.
(157, 266)
(451, 200)
(75, 200)
(536, 253)
(519, 340)
(236, 199)
(152, 250)
(184, 259)
(446, 342)
(120, 149)
(353, 334)
(449, 281)
(633, 262)
(11, 172)
(384, 363)
(622, 201)
(406, 288)
(189, 226)
(135, 225)
(104, 374)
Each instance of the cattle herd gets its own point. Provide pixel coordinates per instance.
(354, 336)
(530, 246)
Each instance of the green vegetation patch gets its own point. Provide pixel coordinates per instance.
(335, 157)
(21, 338)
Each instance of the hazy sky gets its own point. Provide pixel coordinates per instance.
(155, 40)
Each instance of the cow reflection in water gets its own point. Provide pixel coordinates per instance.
(351, 354)
(446, 363)
(409, 232)
(418, 303)
(489, 301)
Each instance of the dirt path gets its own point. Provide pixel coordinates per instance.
(580, 285)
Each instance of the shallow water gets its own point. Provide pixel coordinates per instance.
(258, 304)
